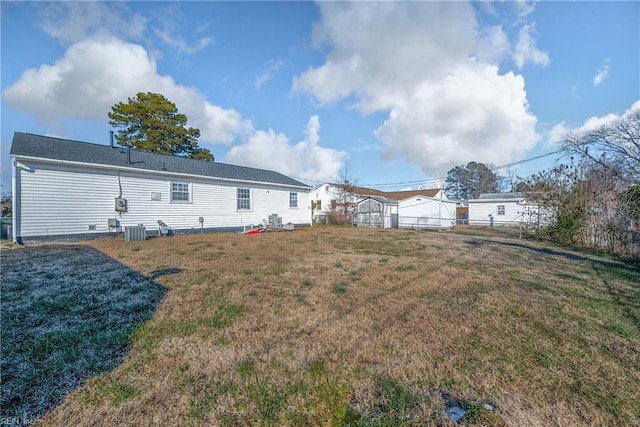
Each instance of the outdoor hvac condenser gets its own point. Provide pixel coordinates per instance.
(135, 233)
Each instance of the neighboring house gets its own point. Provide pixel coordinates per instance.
(328, 196)
(63, 187)
(497, 209)
(416, 208)
(377, 211)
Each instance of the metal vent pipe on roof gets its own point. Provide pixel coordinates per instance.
(111, 138)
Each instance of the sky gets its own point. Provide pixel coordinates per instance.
(394, 93)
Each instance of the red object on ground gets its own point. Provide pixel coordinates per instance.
(254, 231)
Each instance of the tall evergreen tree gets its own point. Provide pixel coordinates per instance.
(468, 182)
(150, 122)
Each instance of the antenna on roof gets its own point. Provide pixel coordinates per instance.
(111, 138)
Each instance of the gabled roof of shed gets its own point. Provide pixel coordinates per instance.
(380, 199)
(49, 148)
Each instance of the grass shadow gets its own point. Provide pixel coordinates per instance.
(67, 313)
(621, 268)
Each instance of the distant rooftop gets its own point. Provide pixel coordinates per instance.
(501, 196)
(393, 195)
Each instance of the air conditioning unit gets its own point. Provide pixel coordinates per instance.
(121, 204)
(135, 233)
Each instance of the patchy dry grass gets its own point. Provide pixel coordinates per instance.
(334, 326)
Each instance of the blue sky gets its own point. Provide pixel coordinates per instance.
(400, 92)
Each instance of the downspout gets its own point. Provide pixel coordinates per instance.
(15, 204)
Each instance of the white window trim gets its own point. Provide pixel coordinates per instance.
(189, 189)
(297, 206)
(250, 208)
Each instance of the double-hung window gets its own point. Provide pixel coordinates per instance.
(244, 199)
(500, 209)
(293, 200)
(180, 192)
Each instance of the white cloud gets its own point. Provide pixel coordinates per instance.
(305, 160)
(73, 21)
(559, 131)
(381, 50)
(493, 44)
(524, 8)
(96, 73)
(474, 113)
(445, 107)
(173, 24)
(270, 70)
(603, 73)
(177, 42)
(526, 50)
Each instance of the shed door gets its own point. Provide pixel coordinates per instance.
(394, 220)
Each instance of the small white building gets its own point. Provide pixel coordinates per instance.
(72, 188)
(420, 209)
(497, 209)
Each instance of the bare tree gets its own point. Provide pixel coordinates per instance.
(596, 199)
(614, 145)
(346, 188)
(6, 204)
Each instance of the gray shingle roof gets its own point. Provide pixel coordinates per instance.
(500, 196)
(45, 147)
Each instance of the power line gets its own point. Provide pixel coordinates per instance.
(425, 181)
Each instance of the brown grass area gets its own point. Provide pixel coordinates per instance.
(311, 327)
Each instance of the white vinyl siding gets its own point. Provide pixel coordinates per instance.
(426, 212)
(65, 200)
(180, 192)
(488, 212)
(293, 200)
(243, 199)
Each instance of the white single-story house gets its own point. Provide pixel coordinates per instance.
(497, 209)
(377, 211)
(73, 188)
(328, 195)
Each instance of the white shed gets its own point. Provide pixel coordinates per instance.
(426, 212)
(72, 188)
